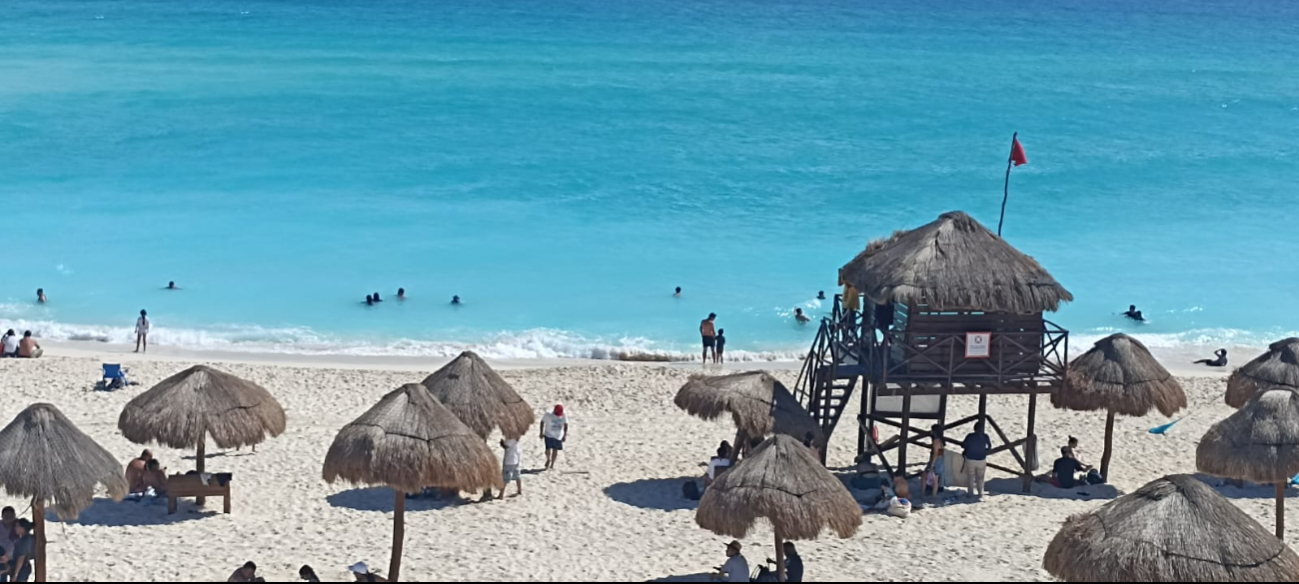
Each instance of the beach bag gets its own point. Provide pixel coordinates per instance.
(900, 508)
(690, 491)
(1094, 477)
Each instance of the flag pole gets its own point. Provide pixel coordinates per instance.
(1006, 189)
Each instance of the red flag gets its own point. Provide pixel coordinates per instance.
(1017, 152)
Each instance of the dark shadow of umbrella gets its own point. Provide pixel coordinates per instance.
(1247, 490)
(660, 494)
(705, 577)
(1015, 486)
(381, 499)
(107, 513)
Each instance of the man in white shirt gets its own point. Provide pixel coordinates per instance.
(554, 431)
(142, 332)
(736, 568)
(510, 467)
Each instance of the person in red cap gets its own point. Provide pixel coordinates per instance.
(554, 431)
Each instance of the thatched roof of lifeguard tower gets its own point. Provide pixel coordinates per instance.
(954, 263)
(1258, 443)
(480, 397)
(202, 401)
(1174, 529)
(409, 441)
(1119, 374)
(44, 456)
(784, 483)
(1279, 366)
(759, 404)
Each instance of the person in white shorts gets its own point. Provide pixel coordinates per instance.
(142, 332)
(510, 467)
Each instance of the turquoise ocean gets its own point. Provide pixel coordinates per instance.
(563, 165)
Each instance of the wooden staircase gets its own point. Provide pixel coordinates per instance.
(833, 368)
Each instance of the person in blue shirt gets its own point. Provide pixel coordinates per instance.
(976, 447)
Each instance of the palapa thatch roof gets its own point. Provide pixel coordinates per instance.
(759, 404)
(784, 483)
(1279, 366)
(409, 441)
(954, 263)
(180, 410)
(480, 397)
(1174, 529)
(1258, 443)
(44, 456)
(1119, 374)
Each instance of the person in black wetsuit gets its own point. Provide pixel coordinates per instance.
(1219, 360)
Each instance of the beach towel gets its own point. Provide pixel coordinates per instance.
(953, 469)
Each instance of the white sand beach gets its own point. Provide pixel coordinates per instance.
(613, 510)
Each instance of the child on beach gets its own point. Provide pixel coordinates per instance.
(510, 467)
(721, 346)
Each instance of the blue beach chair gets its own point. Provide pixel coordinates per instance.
(114, 376)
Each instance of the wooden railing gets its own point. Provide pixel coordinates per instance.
(1017, 360)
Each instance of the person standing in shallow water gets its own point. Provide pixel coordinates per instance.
(142, 332)
(401, 294)
(708, 330)
(719, 351)
(40, 295)
(678, 292)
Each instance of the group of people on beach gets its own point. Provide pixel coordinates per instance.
(1219, 357)
(25, 347)
(373, 299)
(17, 547)
(736, 568)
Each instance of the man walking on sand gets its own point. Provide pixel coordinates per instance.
(708, 330)
(142, 332)
(554, 431)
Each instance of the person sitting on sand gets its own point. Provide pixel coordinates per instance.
(8, 530)
(721, 346)
(510, 462)
(248, 573)
(554, 431)
(1065, 470)
(40, 296)
(718, 464)
(306, 574)
(9, 344)
(401, 294)
(155, 478)
(1073, 450)
(20, 561)
(28, 348)
(736, 568)
(793, 563)
(800, 317)
(135, 473)
(1219, 360)
(901, 487)
(1134, 314)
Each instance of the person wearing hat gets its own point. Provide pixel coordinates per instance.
(736, 568)
(554, 431)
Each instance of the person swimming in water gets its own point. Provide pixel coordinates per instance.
(800, 317)
(172, 286)
(820, 295)
(1220, 359)
(678, 294)
(401, 294)
(376, 297)
(1134, 314)
(369, 300)
(455, 300)
(40, 295)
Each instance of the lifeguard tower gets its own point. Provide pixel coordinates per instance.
(948, 309)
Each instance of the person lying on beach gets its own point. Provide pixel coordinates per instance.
(306, 574)
(800, 317)
(736, 568)
(28, 348)
(718, 464)
(40, 296)
(1134, 314)
(135, 473)
(248, 573)
(20, 561)
(10, 344)
(1219, 360)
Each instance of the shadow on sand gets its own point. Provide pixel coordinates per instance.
(381, 499)
(1247, 490)
(107, 513)
(705, 577)
(1015, 486)
(660, 494)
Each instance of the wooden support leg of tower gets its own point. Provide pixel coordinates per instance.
(1030, 449)
(906, 427)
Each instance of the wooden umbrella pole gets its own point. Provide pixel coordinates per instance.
(780, 558)
(200, 463)
(1109, 446)
(38, 513)
(1280, 510)
(398, 536)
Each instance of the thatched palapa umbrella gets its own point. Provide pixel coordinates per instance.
(1119, 375)
(186, 408)
(1258, 443)
(409, 441)
(480, 397)
(45, 457)
(785, 484)
(1174, 529)
(759, 404)
(1279, 366)
(954, 263)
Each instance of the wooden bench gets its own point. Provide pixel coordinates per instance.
(191, 485)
